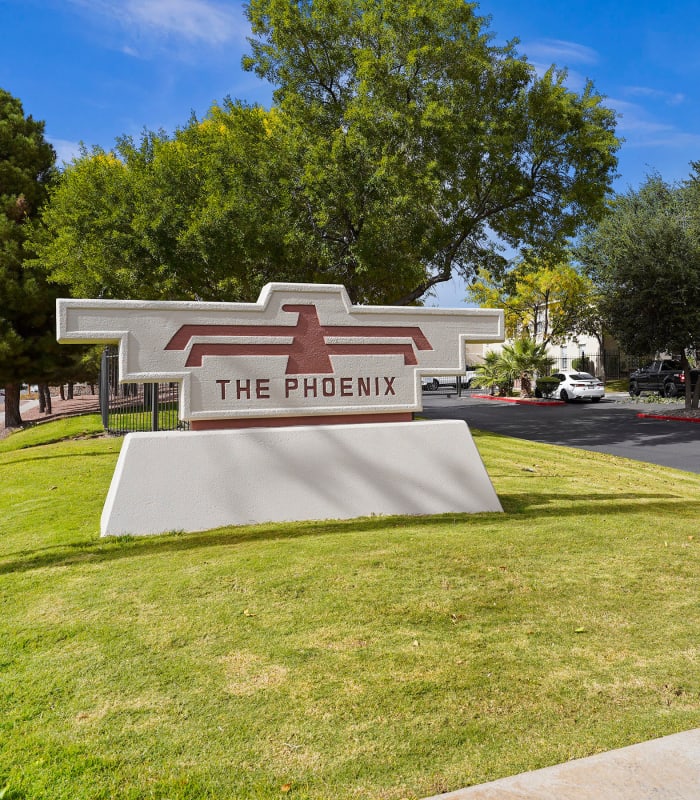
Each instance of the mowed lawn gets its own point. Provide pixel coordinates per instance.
(376, 658)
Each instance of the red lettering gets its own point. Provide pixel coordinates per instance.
(242, 388)
(262, 388)
(222, 383)
(310, 387)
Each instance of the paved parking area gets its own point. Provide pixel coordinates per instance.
(611, 426)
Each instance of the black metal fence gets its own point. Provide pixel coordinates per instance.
(127, 407)
(611, 363)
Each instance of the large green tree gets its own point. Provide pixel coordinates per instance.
(550, 301)
(421, 144)
(201, 214)
(28, 349)
(402, 147)
(645, 257)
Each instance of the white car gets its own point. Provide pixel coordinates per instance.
(578, 386)
(432, 384)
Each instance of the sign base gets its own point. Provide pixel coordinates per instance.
(177, 481)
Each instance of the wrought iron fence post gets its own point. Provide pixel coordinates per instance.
(103, 388)
(135, 406)
(155, 407)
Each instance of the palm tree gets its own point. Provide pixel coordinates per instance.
(489, 375)
(521, 360)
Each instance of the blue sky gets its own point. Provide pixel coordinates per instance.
(96, 69)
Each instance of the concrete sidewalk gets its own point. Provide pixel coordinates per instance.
(663, 769)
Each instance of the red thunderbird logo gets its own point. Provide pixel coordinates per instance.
(308, 352)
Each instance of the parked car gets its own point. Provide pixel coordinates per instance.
(432, 383)
(578, 386)
(664, 376)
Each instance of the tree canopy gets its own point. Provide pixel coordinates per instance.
(422, 144)
(548, 300)
(645, 257)
(403, 147)
(28, 348)
(196, 215)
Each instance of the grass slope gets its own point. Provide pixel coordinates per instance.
(377, 658)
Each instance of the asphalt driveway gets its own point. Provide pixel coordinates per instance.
(611, 426)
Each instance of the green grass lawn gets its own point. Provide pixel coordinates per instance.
(617, 385)
(377, 658)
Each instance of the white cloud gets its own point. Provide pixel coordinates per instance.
(193, 22)
(559, 52)
(574, 80)
(640, 129)
(66, 150)
(668, 137)
(670, 98)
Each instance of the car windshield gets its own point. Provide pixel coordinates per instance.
(582, 376)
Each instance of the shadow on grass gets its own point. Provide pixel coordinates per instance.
(526, 502)
(119, 547)
(12, 460)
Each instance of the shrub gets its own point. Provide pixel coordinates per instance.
(544, 387)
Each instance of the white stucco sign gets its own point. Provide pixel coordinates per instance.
(301, 350)
(300, 407)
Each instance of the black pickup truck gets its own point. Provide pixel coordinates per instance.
(665, 376)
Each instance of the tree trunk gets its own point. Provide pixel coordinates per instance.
(12, 415)
(62, 392)
(70, 391)
(601, 354)
(47, 398)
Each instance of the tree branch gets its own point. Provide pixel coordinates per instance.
(444, 275)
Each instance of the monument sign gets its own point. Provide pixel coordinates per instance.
(300, 407)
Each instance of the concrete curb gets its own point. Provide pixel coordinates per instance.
(669, 417)
(662, 769)
(520, 401)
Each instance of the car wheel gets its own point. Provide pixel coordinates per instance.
(434, 384)
(595, 399)
(634, 390)
(564, 395)
(538, 393)
(670, 389)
